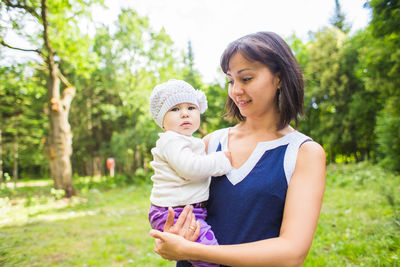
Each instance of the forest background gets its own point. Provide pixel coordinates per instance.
(85, 99)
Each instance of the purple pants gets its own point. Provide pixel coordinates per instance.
(158, 217)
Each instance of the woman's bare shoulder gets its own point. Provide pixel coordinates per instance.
(311, 149)
(206, 139)
(216, 133)
(311, 161)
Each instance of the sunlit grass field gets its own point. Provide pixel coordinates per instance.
(100, 227)
(106, 224)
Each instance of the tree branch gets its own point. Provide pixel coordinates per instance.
(29, 9)
(21, 49)
(46, 40)
(63, 79)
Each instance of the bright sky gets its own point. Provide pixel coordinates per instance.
(212, 24)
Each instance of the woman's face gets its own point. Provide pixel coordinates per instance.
(252, 87)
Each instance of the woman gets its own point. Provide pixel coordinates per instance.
(265, 211)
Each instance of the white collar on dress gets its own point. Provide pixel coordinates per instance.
(235, 176)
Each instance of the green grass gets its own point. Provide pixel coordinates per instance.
(106, 227)
(106, 224)
(360, 218)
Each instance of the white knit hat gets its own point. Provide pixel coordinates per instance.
(171, 93)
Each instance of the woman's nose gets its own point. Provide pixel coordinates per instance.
(237, 89)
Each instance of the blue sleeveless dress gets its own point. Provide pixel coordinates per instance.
(247, 204)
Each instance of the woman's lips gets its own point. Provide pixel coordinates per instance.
(242, 103)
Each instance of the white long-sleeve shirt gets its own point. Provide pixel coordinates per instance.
(182, 170)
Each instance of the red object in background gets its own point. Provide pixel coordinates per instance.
(110, 163)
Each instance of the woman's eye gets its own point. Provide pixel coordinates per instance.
(230, 81)
(247, 79)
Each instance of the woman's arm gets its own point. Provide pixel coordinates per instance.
(300, 218)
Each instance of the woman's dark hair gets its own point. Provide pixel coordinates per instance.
(271, 50)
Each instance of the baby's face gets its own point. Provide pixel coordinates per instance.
(183, 118)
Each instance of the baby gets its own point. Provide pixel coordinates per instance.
(182, 170)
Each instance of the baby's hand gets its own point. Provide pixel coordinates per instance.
(228, 155)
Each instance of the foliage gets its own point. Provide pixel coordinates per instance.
(351, 91)
(25, 20)
(22, 99)
(213, 119)
(385, 17)
(117, 123)
(351, 82)
(388, 131)
(338, 19)
(38, 23)
(383, 64)
(337, 103)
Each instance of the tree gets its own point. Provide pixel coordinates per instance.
(338, 19)
(383, 66)
(22, 98)
(385, 17)
(323, 85)
(146, 58)
(111, 117)
(52, 16)
(359, 135)
(10, 115)
(337, 101)
(190, 74)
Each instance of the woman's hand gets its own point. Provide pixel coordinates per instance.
(169, 246)
(186, 225)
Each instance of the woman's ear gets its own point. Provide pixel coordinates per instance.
(277, 80)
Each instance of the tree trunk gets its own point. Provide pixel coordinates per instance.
(15, 167)
(96, 165)
(60, 135)
(59, 141)
(1, 160)
(136, 158)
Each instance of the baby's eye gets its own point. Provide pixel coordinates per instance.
(192, 108)
(175, 109)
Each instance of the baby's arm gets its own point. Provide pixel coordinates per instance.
(190, 165)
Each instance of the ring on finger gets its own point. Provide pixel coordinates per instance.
(192, 228)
